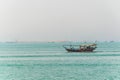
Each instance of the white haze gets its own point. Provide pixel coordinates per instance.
(59, 20)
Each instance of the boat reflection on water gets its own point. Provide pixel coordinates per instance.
(81, 48)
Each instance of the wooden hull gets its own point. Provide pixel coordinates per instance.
(77, 50)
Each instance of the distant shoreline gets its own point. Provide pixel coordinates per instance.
(55, 41)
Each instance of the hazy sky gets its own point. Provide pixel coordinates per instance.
(56, 20)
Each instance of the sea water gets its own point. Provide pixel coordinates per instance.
(50, 61)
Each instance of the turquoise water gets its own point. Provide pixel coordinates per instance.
(49, 61)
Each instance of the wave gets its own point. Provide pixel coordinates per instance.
(63, 64)
(70, 55)
(106, 51)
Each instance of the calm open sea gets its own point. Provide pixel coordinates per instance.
(49, 61)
